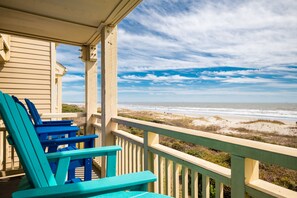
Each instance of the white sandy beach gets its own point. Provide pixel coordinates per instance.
(229, 124)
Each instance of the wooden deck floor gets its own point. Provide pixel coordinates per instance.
(10, 185)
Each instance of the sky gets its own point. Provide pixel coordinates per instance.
(233, 51)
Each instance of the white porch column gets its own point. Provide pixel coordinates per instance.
(109, 97)
(89, 56)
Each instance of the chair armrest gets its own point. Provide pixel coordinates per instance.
(83, 153)
(131, 181)
(56, 130)
(63, 159)
(61, 141)
(57, 123)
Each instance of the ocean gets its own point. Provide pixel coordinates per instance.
(275, 111)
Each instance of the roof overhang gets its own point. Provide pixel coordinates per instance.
(75, 22)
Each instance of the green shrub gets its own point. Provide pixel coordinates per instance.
(66, 108)
(178, 146)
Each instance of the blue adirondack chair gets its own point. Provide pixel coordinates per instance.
(42, 129)
(39, 177)
(36, 117)
(46, 133)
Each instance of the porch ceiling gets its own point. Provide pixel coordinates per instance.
(76, 22)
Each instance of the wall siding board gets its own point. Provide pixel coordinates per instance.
(24, 76)
(30, 56)
(25, 71)
(26, 91)
(27, 66)
(24, 81)
(23, 86)
(29, 61)
(28, 72)
(17, 39)
(34, 97)
(29, 51)
(30, 46)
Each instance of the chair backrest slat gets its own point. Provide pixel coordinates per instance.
(19, 102)
(33, 111)
(26, 142)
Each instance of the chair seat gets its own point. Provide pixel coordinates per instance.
(132, 194)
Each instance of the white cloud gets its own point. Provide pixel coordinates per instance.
(211, 78)
(232, 73)
(247, 80)
(201, 91)
(290, 77)
(211, 33)
(154, 78)
(72, 78)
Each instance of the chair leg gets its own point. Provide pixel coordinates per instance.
(88, 169)
(71, 174)
(143, 187)
(53, 167)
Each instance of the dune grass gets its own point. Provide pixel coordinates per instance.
(264, 121)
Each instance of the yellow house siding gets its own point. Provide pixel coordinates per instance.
(27, 74)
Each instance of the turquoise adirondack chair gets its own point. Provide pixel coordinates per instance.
(56, 133)
(40, 180)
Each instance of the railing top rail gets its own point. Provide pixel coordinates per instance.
(128, 136)
(275, 154)
(63, 115)
(97, 115)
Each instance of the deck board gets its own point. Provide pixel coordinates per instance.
(10, 185)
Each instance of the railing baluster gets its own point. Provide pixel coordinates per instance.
(156, 172)
(168, 177)
(185, 181)
(122, 157)
(12, 157)
(175, 172)
(138, 158)
(161, 174)
(194, 184)
(4, 151)
(126, 157)
(118, 139)
(205, 186)
(1, 149)
(134, 161)
(219, 190)
(142, 159)
(130, 163)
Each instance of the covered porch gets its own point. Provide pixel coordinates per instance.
(85, 24)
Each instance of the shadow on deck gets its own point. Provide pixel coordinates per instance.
(10, 185)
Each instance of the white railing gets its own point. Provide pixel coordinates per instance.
(178, 172)
(9, 161)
